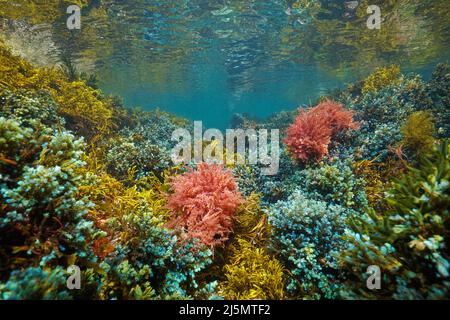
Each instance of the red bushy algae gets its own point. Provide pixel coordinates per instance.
(310, 134)
(204, 202)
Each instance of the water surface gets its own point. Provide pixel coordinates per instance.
(206, 60)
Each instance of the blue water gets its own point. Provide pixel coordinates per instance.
(211, 96)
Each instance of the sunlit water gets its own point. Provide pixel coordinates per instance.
(206, 60)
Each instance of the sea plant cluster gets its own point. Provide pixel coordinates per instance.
(363, 181)
(409, 241)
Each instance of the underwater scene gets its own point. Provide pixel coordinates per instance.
(224, 150)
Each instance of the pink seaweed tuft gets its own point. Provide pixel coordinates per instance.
(310, 134)
(204, 202)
